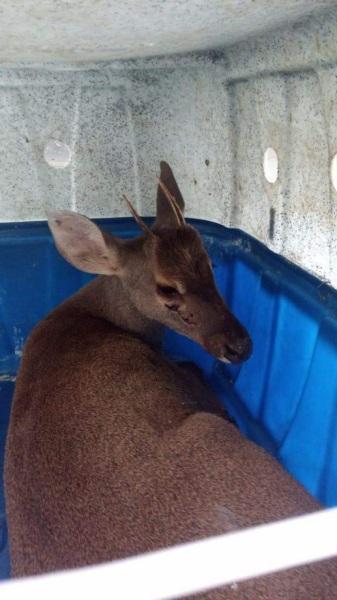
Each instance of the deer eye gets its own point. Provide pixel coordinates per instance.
(166, 290)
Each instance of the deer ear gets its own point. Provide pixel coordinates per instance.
(83, 244)
(170, 203)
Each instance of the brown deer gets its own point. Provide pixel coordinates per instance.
(112, 449)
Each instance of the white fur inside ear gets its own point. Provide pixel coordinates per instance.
(81, 243)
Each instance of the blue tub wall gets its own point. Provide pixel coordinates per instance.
(288, 387)
(284, 397)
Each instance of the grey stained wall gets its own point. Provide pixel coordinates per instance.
(211, 115)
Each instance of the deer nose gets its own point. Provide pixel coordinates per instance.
(238, 350)
(230, 347)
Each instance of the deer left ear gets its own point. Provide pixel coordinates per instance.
(170, 203)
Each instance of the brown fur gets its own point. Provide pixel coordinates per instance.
(110, 449)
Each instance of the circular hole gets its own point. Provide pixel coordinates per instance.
(333, 172)
(270, 165)
(57, 154)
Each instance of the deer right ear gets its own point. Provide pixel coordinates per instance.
(83, 244)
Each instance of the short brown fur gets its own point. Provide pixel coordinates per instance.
(112, 449)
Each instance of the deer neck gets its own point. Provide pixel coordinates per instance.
(105, 297)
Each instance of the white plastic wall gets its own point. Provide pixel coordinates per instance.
(211, 115)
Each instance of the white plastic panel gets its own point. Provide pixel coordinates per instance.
(83, 31)
(118, 125)
(212, 116)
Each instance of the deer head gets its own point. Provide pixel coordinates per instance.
(165, 273)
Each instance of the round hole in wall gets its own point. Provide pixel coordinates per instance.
(333, 172)
(57, 154)
(270, 165)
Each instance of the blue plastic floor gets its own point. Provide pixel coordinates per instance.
(284, 397)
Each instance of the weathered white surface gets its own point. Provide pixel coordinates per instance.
(90, 30)
(212, 116)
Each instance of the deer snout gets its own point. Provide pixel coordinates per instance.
(238, 350)
(230, 347)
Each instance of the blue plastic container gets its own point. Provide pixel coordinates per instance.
(284, 397)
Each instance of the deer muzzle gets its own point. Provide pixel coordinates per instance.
(232, 344)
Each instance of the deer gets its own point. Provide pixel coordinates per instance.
(114, 450)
